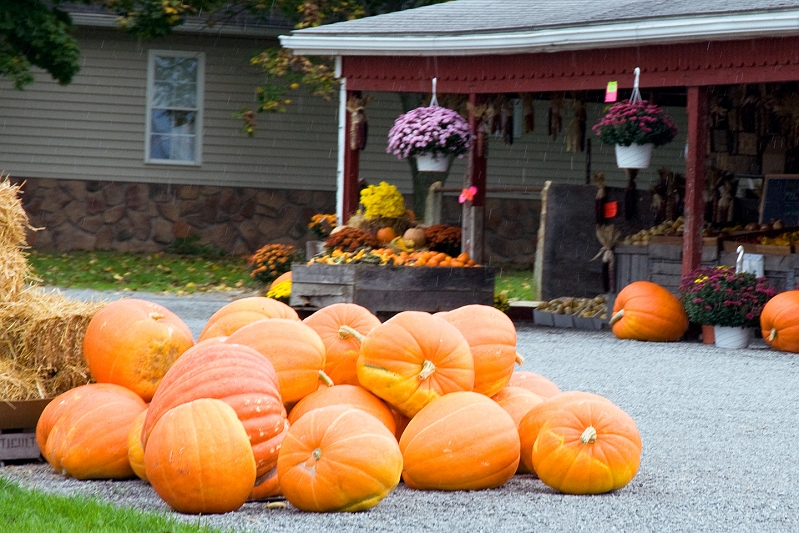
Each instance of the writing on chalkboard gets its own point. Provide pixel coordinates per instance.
(780, 199)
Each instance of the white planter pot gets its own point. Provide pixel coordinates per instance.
(634, 156)
(428, 163)
(732, 337)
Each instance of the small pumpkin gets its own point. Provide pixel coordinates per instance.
(244, 311)
(588, 447)
(199, 459)
(645, 311)
(353, 396)
(285, 276)
(135, 448)
(533, 382)
(779, 322)
(341, 349)
(416, 235)
(460, 441)
(338, 458)
(133, 343)
(386, 234)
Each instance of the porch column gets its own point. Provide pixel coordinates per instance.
(474, 214)
(697, 109)
(349, 189)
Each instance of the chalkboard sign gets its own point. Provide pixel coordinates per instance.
(780, 200)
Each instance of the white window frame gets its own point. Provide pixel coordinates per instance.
(200, 56)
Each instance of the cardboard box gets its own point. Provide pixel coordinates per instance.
(23, 414)
(14, 446)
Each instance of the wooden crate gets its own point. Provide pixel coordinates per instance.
(18, 421)
(386, 289)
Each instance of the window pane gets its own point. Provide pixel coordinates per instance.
(163, 94)
(183, 148)
(185, 95)
(161, 121)
(159, 146)
(183, 122)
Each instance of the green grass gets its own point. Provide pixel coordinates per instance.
(514, 284)
(30, 511)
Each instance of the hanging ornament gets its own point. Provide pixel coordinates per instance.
(359, 125)
(555, 115)
(528, 111)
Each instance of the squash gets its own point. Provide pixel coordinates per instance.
(341, 350)
(415, 235)
(199, 459)
(517, 402)
(242, 378)
(645, 311)
(338, 458)
(285, 276)
(460, 441)
(295, 350)
(533, 382)
(89, 439)
(244, 311)
(386, 234)
(779, 322)
(133, 343)
(135, 448)
(492, 339)
(588, 447)
(353, 396)
(414, 358)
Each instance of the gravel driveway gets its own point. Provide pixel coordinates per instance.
(719, 427)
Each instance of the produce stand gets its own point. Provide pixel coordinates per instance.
(389, 289)
(18, 421)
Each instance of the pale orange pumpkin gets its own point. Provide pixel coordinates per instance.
(135, 448)
(353, 396)
(533, 382)
(133, 343)
(588, 447)
(199, 459)
(338, 458)
(414, 358)
(460, 441)
(341, 349)
(245, 311)
(517, 401)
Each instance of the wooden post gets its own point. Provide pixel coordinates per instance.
(474, 211)
(697, 109)
(351, 193)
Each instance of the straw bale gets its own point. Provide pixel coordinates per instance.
(16, 382)
(13, 218)
(15, 272)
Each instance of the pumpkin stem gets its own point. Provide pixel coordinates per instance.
(156, 316)
(772, 335)
(315, 455)
(427, 370)
(615, 318)
(347, 331)
(519, 359)
(324, 378)
(588, 436)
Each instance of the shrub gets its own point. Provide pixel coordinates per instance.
(271, 261)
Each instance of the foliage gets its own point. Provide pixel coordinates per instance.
(272, 260)
(433, 130)
(636, 122)
(191, 245)
(280, 291)
(383, 201)
(321, 225)
(501, 302)
(444, 238)
(349, 239)
(719, 296)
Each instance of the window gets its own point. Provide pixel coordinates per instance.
(174, 107)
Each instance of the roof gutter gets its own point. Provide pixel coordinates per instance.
(613, 35)
(95, 20)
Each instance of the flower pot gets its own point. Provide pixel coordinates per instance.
(708, 334)
(430, 163)
(634, 156)
(732, 337)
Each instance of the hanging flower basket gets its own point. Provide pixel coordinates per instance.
(634, 156)
(433, 131)
(430, 163)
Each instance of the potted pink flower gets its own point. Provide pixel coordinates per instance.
(433, 135)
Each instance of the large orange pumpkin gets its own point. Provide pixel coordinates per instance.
(199, 460)
(337, 458)
(779, 322)
(460, 441)
(245, 311)
(135, 448)
(242, 378)
(492, 338)
(295, 350)
(645, 311)
(533, 382)
(588, 447)
(517, 401)
(348, 395)
(133, 343)
(414, 358)
(89, 440)
(341, 349)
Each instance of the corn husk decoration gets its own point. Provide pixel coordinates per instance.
(359, 125)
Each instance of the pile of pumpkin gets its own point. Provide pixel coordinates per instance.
(251, 411)
(389, 256)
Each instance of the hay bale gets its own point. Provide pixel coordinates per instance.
(15, 272)
(16, 382)
(42, 331)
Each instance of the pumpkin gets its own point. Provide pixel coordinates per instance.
(244, 311)
(492, 338)
(285, 276)
(348, 395)
(534, 382)
(199, 459)
(414, 358)
(242, 378)
(645, 311)
(337, 458)
(341, 349)
(133, 343)
(416, 235)
(295, 350)
(779, 322)
(135, 448)
(401, 422)
(517, 402)
(588, 447)
(531, 422)
(386, 234)
(89, 439)
(460, 441)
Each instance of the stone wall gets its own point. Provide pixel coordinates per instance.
(141, 217)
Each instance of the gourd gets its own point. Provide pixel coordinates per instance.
(645, 311)
(416, 235)
(199, 460)
(386, 234)
(234, 315)
(133, 343)
(338, 458)
(517, 402)
(779, 322)
(353, 396)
